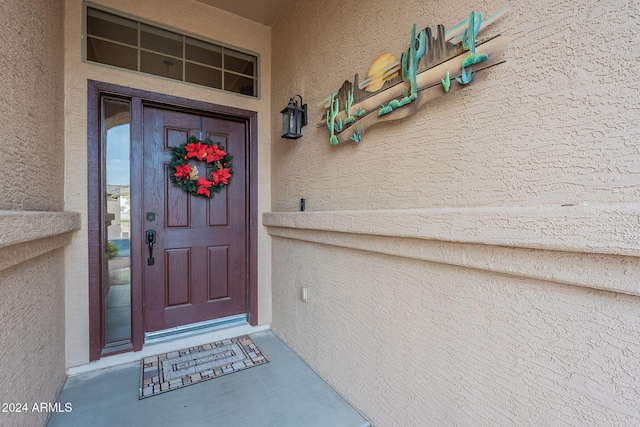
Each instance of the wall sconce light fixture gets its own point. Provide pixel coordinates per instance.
(293, 118)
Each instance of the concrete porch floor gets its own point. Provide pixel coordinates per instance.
(284, 392)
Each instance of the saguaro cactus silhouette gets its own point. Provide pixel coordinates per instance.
(347, 108)
(333, 124)
(410, 60)
(469, 40)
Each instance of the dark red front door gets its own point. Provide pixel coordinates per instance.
(199, 270)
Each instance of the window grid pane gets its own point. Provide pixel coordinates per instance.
(204, 76)
(238, 62)
(118, 55)
(203, 53)
(239, 84)
(112, 27)
(160, 65)
(137, 46)
(161, 41)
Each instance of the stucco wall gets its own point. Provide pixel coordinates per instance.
(31, 179)
(553, 125)
(192, 17)
(31, 107)
(32, 338)
(476, 263)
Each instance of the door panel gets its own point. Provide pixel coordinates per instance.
(177, 276)
(199, 270)
(218, 262)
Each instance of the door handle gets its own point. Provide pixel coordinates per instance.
(151, 240)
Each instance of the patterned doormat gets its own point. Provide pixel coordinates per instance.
(170, 371)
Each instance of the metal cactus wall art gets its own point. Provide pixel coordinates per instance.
(469, 40)
(432, 66)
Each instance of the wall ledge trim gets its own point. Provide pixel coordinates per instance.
(543, 243)
(596, 229)
(25, 234)
(25, 226)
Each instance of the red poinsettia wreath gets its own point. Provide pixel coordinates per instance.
(186, 176)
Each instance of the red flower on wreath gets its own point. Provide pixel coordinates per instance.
(214, 153)
(182, 172)
(203, 186)
(222, 175)
(197, 150)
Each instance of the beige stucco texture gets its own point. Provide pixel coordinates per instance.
(31, 234)
(476, 263)
(552, 125)
(31, 108)
(188, 17)
(32, 338)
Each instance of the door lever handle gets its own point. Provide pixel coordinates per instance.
(151, 240)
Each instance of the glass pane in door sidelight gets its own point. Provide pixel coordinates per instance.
(116, 289)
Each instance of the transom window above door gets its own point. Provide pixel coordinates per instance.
(133, 45)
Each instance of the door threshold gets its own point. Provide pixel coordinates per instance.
(194, 329)
(171, 344)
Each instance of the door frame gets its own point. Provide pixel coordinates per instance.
(138, 99)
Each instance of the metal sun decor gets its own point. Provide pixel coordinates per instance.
(294, 117)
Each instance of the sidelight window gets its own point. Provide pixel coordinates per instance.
(116, 283)
(133, 45)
